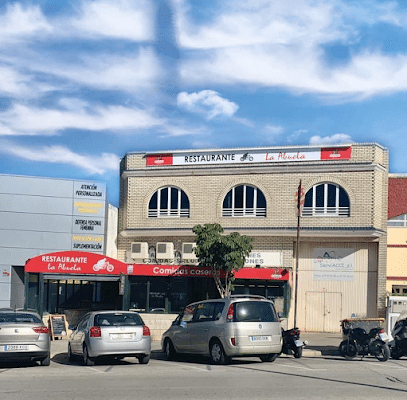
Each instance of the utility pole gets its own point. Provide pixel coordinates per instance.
(300, 202)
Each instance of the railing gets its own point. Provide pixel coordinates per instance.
(325, 212)
(182, 213)
(244, 212)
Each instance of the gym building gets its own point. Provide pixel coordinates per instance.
(340, 269)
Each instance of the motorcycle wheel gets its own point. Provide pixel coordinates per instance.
(347, 350)
(298, 352)
(380, 350)
(395, 353)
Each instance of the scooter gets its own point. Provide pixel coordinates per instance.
(398, 346)
(292, 344)
(361, 343)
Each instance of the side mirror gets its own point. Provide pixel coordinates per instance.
(183, 324)
(72, 327)
(280, 315)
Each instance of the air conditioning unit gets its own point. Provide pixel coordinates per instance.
(164, 251)
(188, 252)
(139, 250)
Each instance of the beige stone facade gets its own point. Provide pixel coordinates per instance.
(359, 235)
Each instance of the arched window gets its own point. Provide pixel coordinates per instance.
(326, 200)
(244, 201)
(169, 201)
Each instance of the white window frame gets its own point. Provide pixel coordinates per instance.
(326, 211)
(254, 211)
(168, 212)
(398, 222)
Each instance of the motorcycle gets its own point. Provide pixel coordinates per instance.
(292, 344)
(361, 343)
(398, 347)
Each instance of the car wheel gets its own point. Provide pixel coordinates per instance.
(169, 350)
(269, 357)
(46, 361)
(85, 357)
(144, 359)
(217, 354)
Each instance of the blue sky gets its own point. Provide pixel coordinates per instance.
(83, 82)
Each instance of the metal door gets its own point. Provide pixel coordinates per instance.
(323, 311)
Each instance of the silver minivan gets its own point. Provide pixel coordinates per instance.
(239, 325)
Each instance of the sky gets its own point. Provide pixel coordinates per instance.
(83, 82)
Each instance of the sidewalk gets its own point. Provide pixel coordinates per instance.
(319, 345)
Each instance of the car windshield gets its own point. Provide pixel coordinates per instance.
(254, 311)
(117, 319)
(19, 318)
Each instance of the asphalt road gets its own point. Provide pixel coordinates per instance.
(314, 376)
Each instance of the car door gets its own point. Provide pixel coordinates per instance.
(180, 332)
(200, 327)
(78, 335)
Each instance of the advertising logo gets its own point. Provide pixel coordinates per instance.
(156, 160)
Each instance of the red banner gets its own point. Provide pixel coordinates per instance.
(75, 262)
(338, 153)
(80, 262)
(159, 159)
(204, 272)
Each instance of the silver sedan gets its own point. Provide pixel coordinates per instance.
(116, 334)
(23, 336)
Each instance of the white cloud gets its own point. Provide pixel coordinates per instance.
(16, 84)
(23, 120)
(19, 22)
(91, 19)
(122, 19)
(293, 138)
(334, 139)
(181, 130)
(242, 23)
(104, 71)
(207, 101)
(99, 165)
(274, 130)
(281, 44)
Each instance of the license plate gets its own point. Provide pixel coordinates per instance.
(121, 336)
(14, 347)
(383, 336)
(259, 338)
(299, 343)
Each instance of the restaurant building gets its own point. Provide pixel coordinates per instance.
(341, 268)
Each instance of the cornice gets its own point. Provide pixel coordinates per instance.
(321, 233)
(252, 169)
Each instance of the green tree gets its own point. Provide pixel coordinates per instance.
(221, 252)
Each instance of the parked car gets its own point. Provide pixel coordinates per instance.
(223, 328)
(116, 334)
(23, 337)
